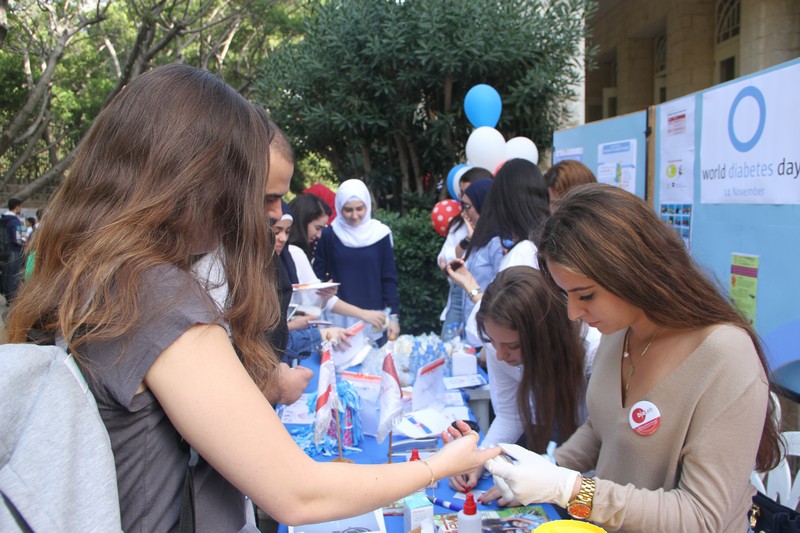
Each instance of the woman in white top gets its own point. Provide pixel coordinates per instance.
(310, 218)
(516, 207)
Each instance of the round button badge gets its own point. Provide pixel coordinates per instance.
(644, 418)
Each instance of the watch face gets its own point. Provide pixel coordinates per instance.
(579, 510)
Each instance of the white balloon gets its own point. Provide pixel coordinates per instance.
(486, 148)
(522, 148)
(457, 179)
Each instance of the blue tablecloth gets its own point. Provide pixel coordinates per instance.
(374, 453)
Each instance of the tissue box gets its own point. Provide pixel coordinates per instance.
(464, 363)
(417, 508)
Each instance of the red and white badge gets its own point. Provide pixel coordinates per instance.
(644, 418)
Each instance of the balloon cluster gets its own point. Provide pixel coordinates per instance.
(486, 147)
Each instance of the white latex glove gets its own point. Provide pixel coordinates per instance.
(533, 478)
(505, 490)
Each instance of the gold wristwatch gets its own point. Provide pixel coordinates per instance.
(580, 506)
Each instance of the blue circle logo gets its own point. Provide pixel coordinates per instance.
(746, 146)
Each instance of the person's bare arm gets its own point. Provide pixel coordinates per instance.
(216, 407)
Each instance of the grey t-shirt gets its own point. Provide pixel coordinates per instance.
(150, 459)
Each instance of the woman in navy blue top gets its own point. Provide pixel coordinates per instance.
(357, 251)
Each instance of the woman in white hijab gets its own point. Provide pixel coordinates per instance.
(357, 251)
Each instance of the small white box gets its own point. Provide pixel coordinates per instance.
(417, 508)
(464, 364)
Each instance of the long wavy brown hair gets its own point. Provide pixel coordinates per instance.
(175, 166)
(553, 369)
(612, 237)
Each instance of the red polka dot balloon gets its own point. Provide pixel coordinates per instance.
(443, 212)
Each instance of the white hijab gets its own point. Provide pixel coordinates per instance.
(369, 231)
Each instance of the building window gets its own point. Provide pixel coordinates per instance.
(660, 55)
(660, 69)
(727, 69)
(727, 19)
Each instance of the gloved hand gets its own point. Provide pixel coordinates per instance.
(506, 495)
(533, 478)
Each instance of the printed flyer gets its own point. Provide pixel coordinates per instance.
(744, 284)
(679, 217)
(511, 520)
(616, 164)
(676, 168)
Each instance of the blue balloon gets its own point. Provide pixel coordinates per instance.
(450, 177)
(483, 106)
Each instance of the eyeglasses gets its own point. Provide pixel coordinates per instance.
(466, 206)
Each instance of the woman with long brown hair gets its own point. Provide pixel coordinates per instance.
(539, 370)
(678, 402)
(174, 167)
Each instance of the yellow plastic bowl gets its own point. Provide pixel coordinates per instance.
(568, 526)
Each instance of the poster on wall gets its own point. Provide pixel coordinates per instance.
(679, 218)
(676, 168)
(616, 164)
(744, 284)
(568, 153)
(750, 142)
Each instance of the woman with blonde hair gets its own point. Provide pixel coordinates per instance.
(679, 411)
(155, 185)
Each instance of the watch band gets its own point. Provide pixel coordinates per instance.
(580, 507)
(474, 292)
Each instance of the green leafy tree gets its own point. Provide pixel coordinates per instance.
(422, 287)
(61, 62)
(377, 86)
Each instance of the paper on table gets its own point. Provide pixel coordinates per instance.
(356, 352)
(457, 412)
(428, 388)
(423, 423)
(463, 495)
(311, 286)
(460, 382)
(298, 412)
(368, 388)
(453, 398)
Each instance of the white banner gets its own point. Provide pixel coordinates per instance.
(750, 141)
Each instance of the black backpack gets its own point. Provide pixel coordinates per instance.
(5, 238)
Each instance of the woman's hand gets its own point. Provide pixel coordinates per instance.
(469, 226)
(291, 383)
(500, 492)
(328, 292)
(466, 482)
(300, 321)
(460, 453)
(337, 337)
(461, 276)
(376, 318)
(533, 478)
(393, 331)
